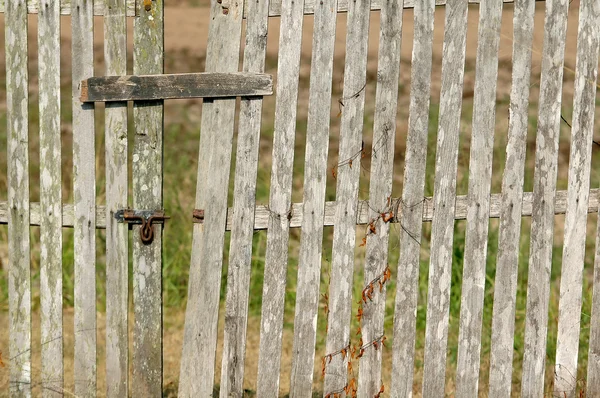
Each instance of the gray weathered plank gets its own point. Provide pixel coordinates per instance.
(348, 175)
(593, 370)
(147, 175)
(240, 248)
(271, 327)
(382, 167)
(214, 161)
(19, 274)
(442, 229)
(544, 187)
(478, 199)
(50, 200)
(503, 320)
(315, 178)
(67, 6)
(582, 135)
(117, 242)
(182, 85)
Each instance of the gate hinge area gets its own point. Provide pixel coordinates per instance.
(145, 218)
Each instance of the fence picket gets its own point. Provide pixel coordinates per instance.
(478, 198)
(593, 369)
(240, 248)
(442, 229)
(582, 135)
(202, 312)
(67, 7)
(147, 195)
(503, 319)
(19, 274)
(50, 199)
(117, 242)
(348, 175)
(315, 178)
(544, 188)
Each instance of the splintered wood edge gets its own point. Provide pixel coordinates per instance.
(262, 212)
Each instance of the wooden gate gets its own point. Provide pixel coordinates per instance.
(353, 362)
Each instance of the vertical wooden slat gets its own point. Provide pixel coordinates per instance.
(200, 339)
(348, 175)
(582, 132)
(147, 195)
(382, 165)
(593, 370)
(478, 199)
(442, 229)
(19, 277)
(271, 327)
(240, 248)
(50, 199)
(315, 178)
(544, 188)
(117, 261)
(503, 321)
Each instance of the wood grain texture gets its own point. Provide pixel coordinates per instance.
(117, 240)
(315, 178)
(382, 165)
(244, 205)
(582, 135)
(181, 85)
(19, 273)
(593, 370)
(214, 160)
(348, 175)
(67, 6)
(147, 174)
(478, 205)
(503, 318)
(544, 188)
(52, 380)
(442, 229)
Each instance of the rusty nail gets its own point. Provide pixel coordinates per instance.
(198, 216)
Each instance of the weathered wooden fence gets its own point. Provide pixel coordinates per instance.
(220, 85)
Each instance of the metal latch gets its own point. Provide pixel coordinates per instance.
(145, 218)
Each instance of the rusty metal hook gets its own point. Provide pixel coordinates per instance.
(146, 228)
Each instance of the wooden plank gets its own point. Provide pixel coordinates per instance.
(442, 229)
(147, 175)
(117, 241)
(19, 274)
(271, 328)
(214, 160)
(478, 204)
(544, 187)
(348, 175)
(582, 135)
(315, 178)
(52, 381)
(503, 319)
(593, 370)
(382, 167)
(67, 6)
(240, 249)
(182, 85)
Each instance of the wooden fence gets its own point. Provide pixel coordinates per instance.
(346, 355)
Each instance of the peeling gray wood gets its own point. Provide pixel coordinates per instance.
(240, 249)
(442, 229)
(19, 274)
(582, 134)
(214, 161)
(315, 179)
(67, 6)
(147, 174)
(382, 164)
(182, 85)
(544, 187)
(271, 328)
(503, 320)
(593, 370)
(52, 380)
(348, 175)
(117, 241)
(478, 199)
